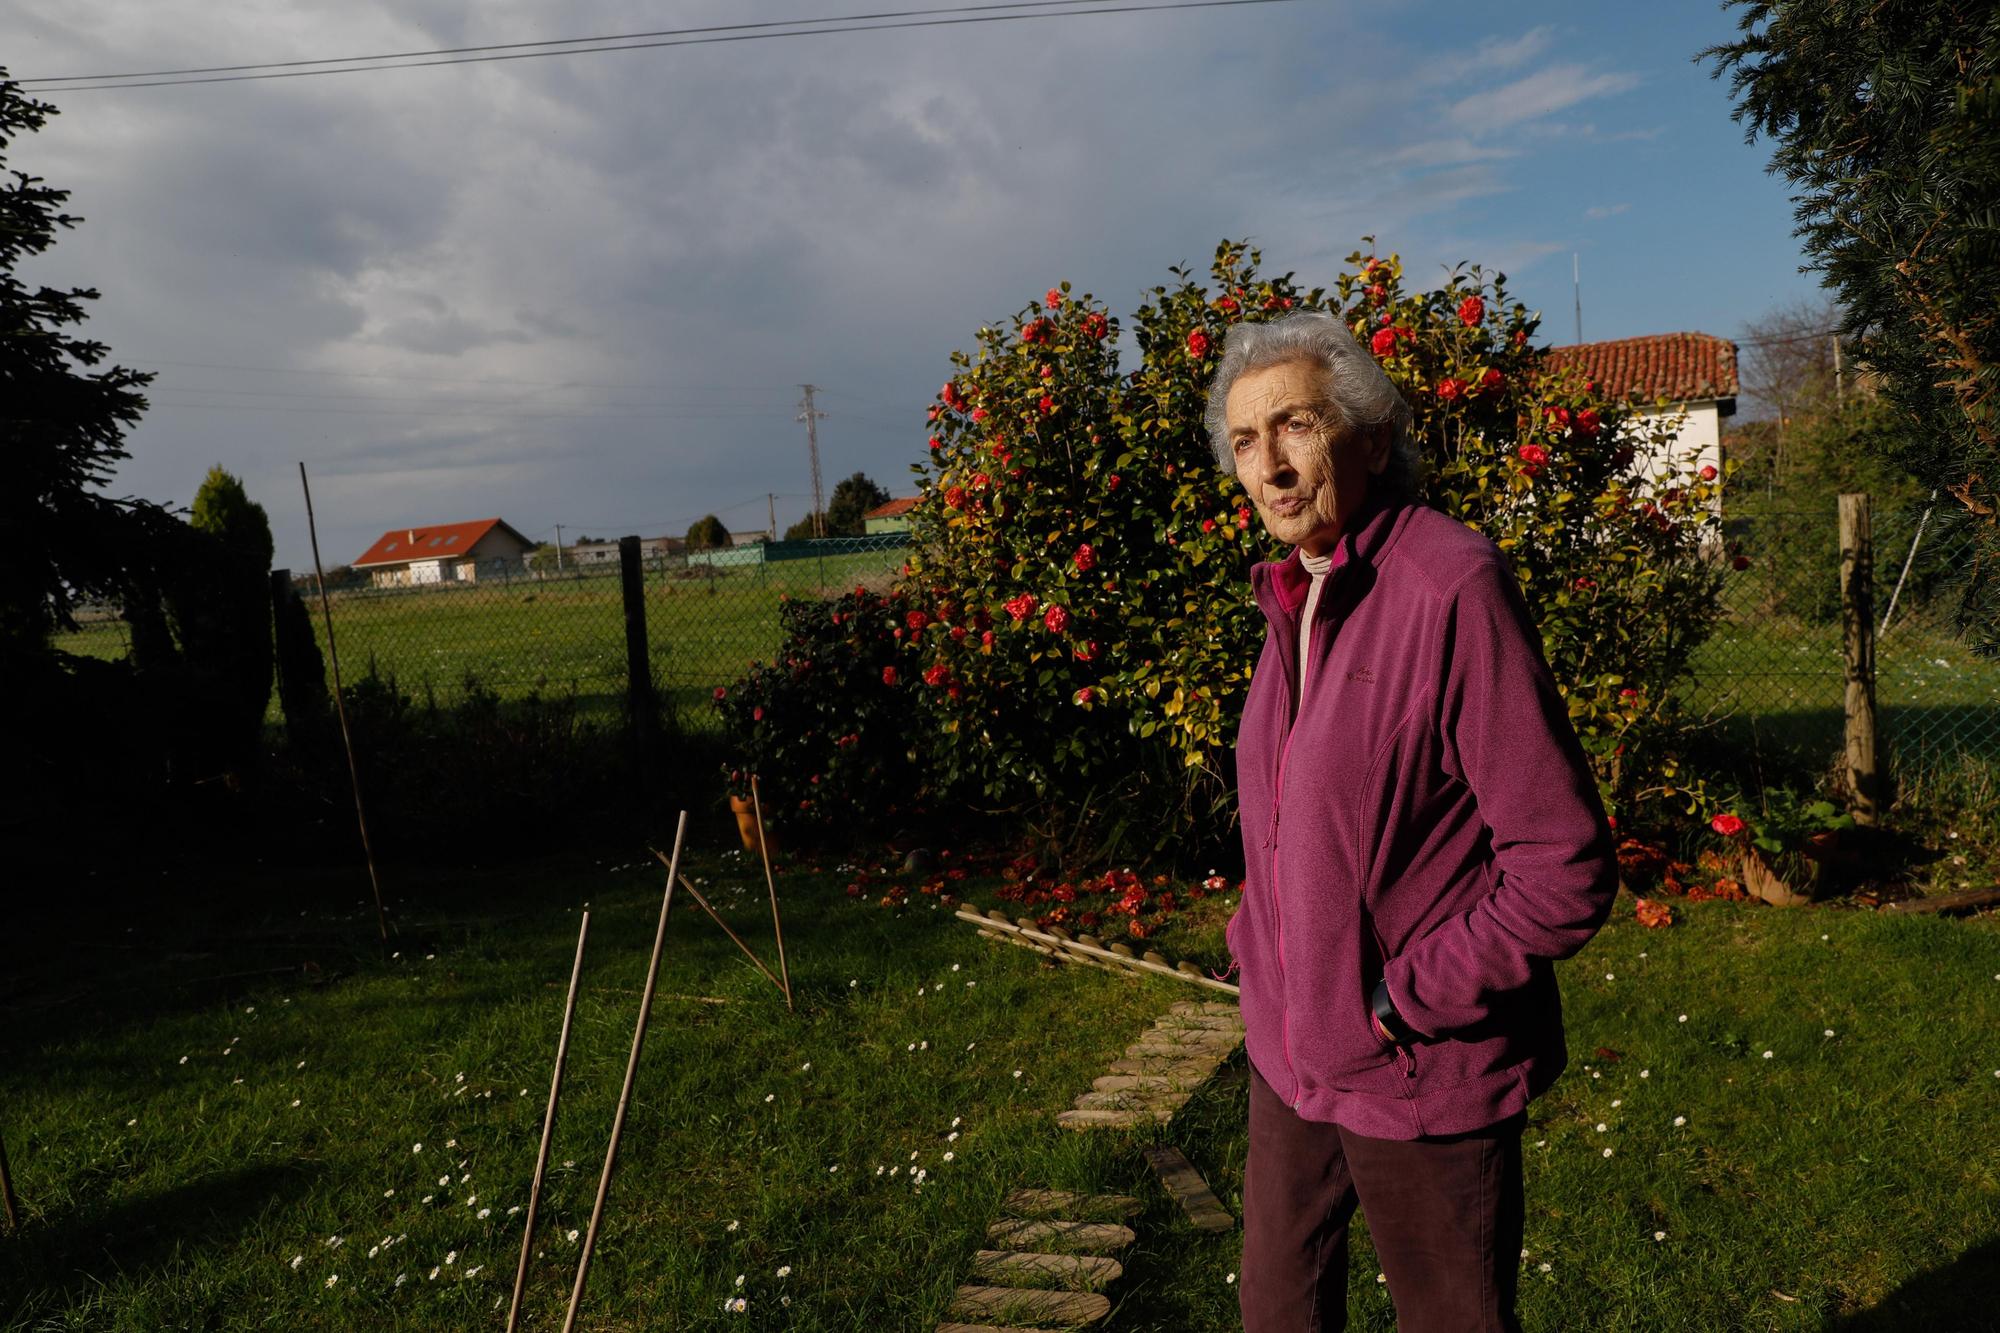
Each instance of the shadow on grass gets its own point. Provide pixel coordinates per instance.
(59, 1266)
(1961, 1297)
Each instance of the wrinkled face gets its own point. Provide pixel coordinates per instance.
(1305, 472)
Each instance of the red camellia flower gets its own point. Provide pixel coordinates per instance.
(1628, 694)
(1533, 455)
(1054, 299)
(950, 395)
(1086, 559)
(979, 414)
(757, 714)
(1020, 608)
(1559, 416)
(1197, 344)
(916, 620)
(1583, 584)
(1708, 474)
(1740, 563)
(1622, 456)
(721, 694)
(1057, 619)
(1383, 343)
(1086, 695)
(1094, 325)
(1586, 421)
(986, 638)
(1451, 390)
(1472, 312)
(1727, 825)
(1037, 331)
(1111, 482)
(888, 675)
(1047, 404)
(1208, 525)
(1491, 381)
(937, 673)
(981, 481)
(958, 634)
(1226, 303)
(954, 497)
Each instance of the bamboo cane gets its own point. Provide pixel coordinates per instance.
(631, 1074)
(548, 1128)
(340, 708)
(725, 927)
(764, 848)
(7, 1191)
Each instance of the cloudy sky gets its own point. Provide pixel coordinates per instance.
(585, 289)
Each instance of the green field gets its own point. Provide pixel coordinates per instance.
(200, 1145)
(566, 633)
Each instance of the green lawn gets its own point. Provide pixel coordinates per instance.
(181, 1130)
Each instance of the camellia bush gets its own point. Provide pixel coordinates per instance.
(829, 728)
(1078, 611)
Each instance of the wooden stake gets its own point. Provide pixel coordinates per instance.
(548, 1128)
(1857, 605)
(764, 847)
(631, 1074)
(7, 1191)
(340, 708)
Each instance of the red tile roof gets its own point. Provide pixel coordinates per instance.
(433, 543)
(1679, 367)
(894, 509)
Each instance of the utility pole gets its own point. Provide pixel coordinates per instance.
(1839, 377)
(1576, 274)
(771, 514)
(558, 548)
(811, 417)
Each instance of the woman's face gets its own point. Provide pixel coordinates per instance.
(1306, 473)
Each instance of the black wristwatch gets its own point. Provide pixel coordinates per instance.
(1392, 1022)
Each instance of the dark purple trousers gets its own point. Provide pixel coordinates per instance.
(1446, 1216)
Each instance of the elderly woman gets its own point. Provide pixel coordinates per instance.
(1423, 840)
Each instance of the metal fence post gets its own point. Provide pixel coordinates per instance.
(1857, 609)
(639, 700)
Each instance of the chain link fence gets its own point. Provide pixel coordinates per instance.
(513, 630)
(1770, 681)
(1772, 678)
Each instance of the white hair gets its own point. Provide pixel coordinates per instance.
(1359, 393)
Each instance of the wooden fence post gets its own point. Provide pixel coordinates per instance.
(1857, 609)
(638, 657)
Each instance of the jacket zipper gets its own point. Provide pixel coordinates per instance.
(1296, 682)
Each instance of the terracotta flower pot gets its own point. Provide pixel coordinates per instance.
(1763, 881)
(746, 825)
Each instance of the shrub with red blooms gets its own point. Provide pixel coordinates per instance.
(1051, 448)
(829, 726)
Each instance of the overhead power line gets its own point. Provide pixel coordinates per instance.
(931, 18)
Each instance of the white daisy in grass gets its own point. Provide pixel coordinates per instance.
(1829, 1032)
(416, 1148)
(332, 1278)
(956, 1121)
(298, 1259)
(1017, 1073)
(485, 1213)
(184, 1059)
(1607, 1152)
(1659, 1235)
(804, 1067)
(1601, 1128)
(572, 1235)
(388, 1194)
(770, 1096)
(1684, 1018)
(1548, 1268)
(1382, 1278)
(1680, 1120)
(401, 1278)
(1645, 1073)
(451, 1258)
(427, 1198)
(474, 1271)
(1769, 1054)
(785, 1271)
(739, 1280)
(947, 1157)
(515, 1209)
(736, 1305)
(1230, 1279)
(434, 1275)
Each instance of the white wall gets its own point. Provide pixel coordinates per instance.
(1700, 435)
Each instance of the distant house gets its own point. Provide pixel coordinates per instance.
(891, 517)
(601, 553)
(1694, 372)
(447, 553)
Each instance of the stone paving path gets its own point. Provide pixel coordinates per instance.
(1050, 1254)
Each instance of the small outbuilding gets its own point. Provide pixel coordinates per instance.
(891, 517)
(444, 553)
(1695, 373)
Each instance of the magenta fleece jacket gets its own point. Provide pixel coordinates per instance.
(1428, 816)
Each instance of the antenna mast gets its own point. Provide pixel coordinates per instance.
(811, 417)
(1576, 273)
